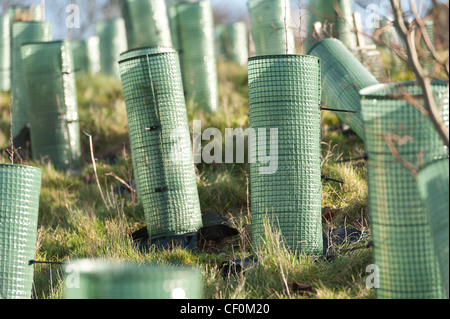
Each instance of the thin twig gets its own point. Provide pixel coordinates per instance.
(95, 169)
(423, 79)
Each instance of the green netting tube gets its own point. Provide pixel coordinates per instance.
(400, 227)
(104, 279)
(23, 32)
(325, 12)
(113, 42)
(53, 106)
(86, 55)
(343, 77)
(433, 181)
(284, 93)
(429, 62)
(234, 40)
(149, 23)
(267, 18)
(5, 56)
(128, 25)
(160, 141)
(19, 197)
(192, 26)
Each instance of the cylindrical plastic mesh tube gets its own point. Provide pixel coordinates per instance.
(398, 139)
(149, 23)
(433, 181)
(160, 141)
(103, 279)
(269, 31)
(113, 42)
(23, 32)
(86, 55)
(192, 27)
(5, 56)
(337, 20)
(343, 77)
(234, 41)
(19, 195)
(284, 96)
(53, 107)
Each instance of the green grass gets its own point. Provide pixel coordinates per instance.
(75, 223)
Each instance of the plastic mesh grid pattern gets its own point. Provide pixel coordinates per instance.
(160, 142)
(53, 107)
(149, 23)
(23, 32)
(268, 27)
(343, 77)
(19, 198)
(433, 185)
(5, 54)
(113, 42)
(323, 11)
(284, 93)
(115, 280)
(234, 40)
(403, 244)
(192, 27)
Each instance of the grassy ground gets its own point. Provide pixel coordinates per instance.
(75, 223)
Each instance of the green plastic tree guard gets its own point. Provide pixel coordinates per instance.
(113, 42)
(5, 56)
(53, 105)
(128, 25)
(160, 141)
(86, 55)
(149, 23)
(284, 94)
(234, 40)
(107, 279)
(23, 32)
(343, 77)
(339, 21)
(192, 27)
(399, 137)
(19, 197)
(433, 181)
(269, 31)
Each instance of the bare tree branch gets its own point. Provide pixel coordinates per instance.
(408, 35)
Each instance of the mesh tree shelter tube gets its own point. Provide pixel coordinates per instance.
(160, 141)
(5, 54)
(234, 40)
(23, 32)
(86, 55)
(53, 105)
(336, 17)
(433, 184)
(398, 138)
(284, 94)
(192, 27)
(343, 77)
(149, 23)
(19, 197)
(104, 279)
(113, 42)
(267, 19)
